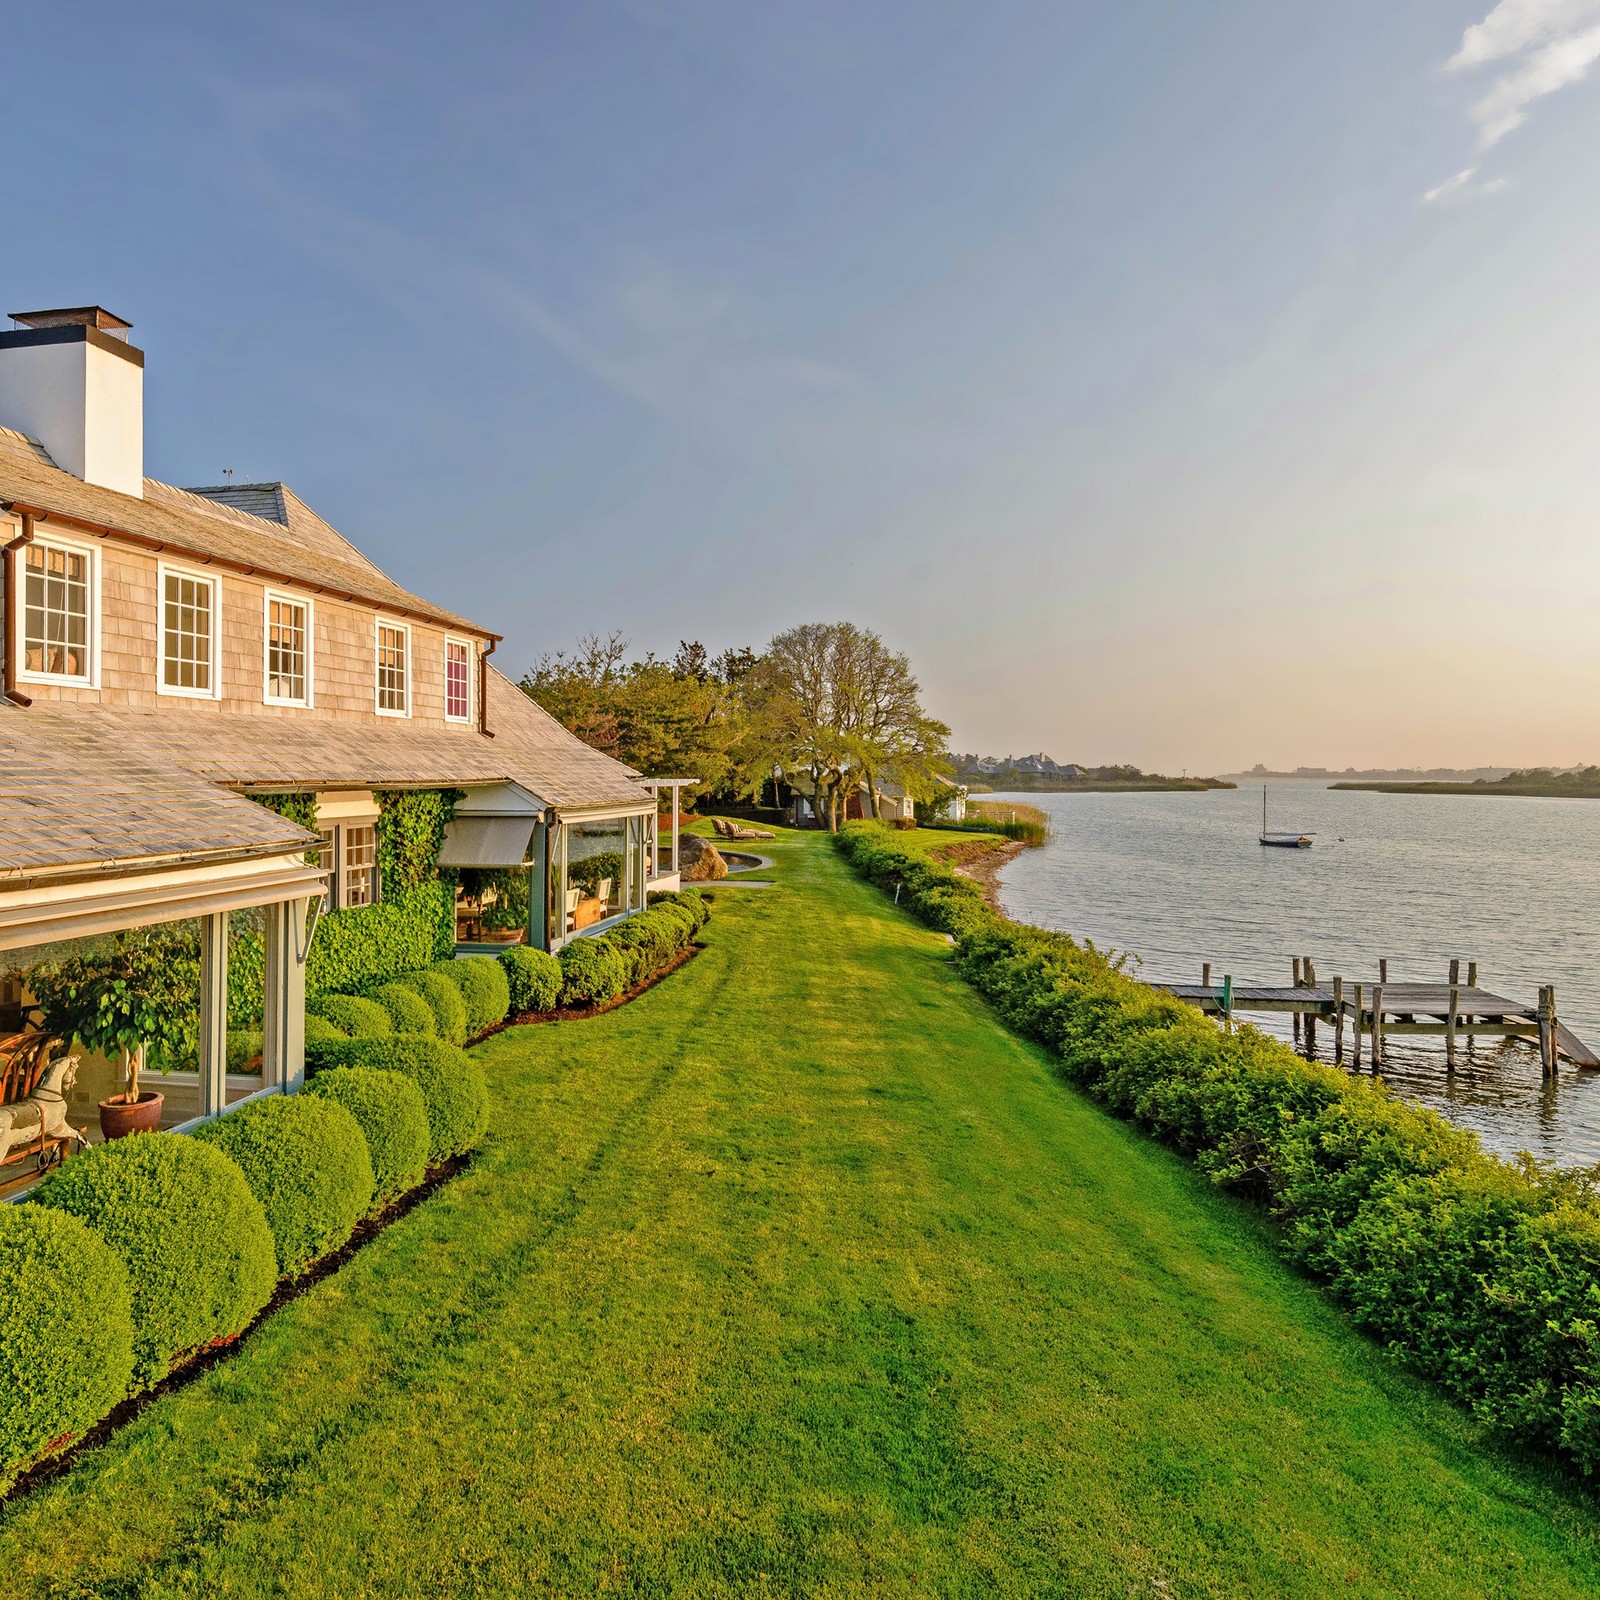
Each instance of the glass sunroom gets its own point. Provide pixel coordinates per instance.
(542, 874)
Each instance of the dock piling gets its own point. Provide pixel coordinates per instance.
(1205, 974)
(1358, 1027)
(1547, 1031)
(1377, 1026)
(1338, 1020)
(1450, 1023)
(1455, 972)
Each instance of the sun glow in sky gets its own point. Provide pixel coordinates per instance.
(1186, 385)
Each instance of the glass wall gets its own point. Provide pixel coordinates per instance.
(598, 870)
(58, 988)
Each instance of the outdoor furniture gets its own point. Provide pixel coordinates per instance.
(602, 891)
(573, 897)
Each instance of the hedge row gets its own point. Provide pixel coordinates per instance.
(1482, 1274)
(594, 971)
(139, 1251)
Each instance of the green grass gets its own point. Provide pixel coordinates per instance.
(800, 1276)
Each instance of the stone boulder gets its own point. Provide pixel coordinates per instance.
(699, 860)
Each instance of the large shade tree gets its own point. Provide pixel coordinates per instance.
(832, 700)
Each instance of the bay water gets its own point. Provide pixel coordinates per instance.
(1511, 883)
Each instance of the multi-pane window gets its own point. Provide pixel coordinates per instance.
(328, 862)
(359, 878)
(288, 651)
(188, 606)
(457, 680)
(55, 610)
(392, 674)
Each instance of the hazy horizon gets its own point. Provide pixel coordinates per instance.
(1189, 386)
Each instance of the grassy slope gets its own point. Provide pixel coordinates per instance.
(800, 1276)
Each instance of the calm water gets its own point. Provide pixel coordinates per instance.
(1509, 883)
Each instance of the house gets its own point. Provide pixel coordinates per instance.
(203, 646)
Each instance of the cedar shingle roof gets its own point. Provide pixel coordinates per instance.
(245, 749)
(300, 547)
(71, 797)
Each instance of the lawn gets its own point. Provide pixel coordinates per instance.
(801, 1276)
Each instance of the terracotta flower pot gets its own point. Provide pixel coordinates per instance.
(118, 1118)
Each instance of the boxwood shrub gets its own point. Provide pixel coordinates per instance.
(484, 989)
(444, 1000)
(394, 1121)
(592, 972)
(355, 1016)
(305, 1159)
(1482, 1274)
(452, 1083)
(319, 1030)
(690, 900)
(534, 977)
(66, 1330)
(407, 1011)
(193, 1238)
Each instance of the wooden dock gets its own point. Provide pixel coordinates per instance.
(1373, 1011)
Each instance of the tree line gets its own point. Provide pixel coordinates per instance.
(827, 708)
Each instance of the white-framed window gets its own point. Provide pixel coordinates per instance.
(190, 617)
(60, 604)
(457, 680)
(393, 649)
(288, 638)
(348, 853)
(358, 872)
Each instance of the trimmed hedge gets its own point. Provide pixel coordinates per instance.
(534, 977)
(1483, 1274)
(193, 1238)
(319, 1030)
(66, 1330)
(690, 900)
(484, 989)
(362, 946)
(354, 1015)
(592, 972)
(444, 1000)
(306, 1161)
(394, 1121)
(648, 941)
(453, 1085)
(407, 1010)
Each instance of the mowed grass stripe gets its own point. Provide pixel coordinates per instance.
(801, 1275)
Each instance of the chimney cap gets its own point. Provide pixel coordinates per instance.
(75, 317)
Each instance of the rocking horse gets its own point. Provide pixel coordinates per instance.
(33, 1101)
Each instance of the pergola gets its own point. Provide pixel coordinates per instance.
(675, 786)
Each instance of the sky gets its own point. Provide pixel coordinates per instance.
(1189, 385)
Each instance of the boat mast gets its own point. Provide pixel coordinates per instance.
(1263, 808)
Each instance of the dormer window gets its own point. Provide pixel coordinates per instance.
(58, 613)
(188, 634)
(394, 669)
(457, 680)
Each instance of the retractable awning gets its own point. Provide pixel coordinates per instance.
(487, 841)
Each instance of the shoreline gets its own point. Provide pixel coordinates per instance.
(983, 865)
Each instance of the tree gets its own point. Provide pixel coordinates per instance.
(832, 700)
(682, 718)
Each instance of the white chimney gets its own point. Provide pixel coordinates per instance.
(71, 380)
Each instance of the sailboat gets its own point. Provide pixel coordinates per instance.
(1281, 841)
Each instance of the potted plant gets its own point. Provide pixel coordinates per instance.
(136, 996)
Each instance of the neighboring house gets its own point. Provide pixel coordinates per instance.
(229, 634)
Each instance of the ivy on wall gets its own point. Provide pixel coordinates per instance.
(300, 807)
(410, 830)
(365, 945)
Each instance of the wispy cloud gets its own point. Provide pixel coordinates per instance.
(1461, 187)
(1538, 47)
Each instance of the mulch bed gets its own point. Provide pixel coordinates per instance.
(201, 1361)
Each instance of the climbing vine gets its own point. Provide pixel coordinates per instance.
(300, 807)
(411, 826)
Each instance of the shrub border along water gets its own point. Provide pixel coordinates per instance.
(1481, 1274)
